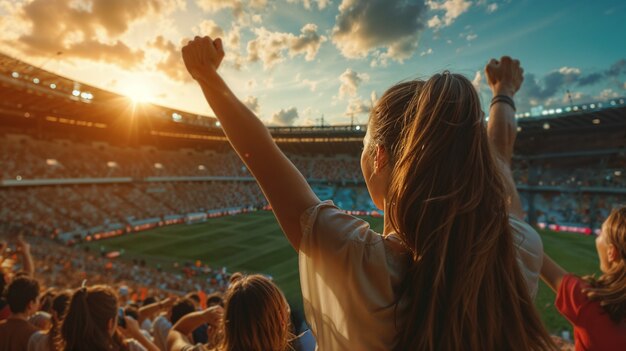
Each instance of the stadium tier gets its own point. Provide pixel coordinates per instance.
(81, 162)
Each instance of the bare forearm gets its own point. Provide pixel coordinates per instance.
(245, 131)
(189, 323)
(285, 188)
(145, 342)
(551, 273)
(502, 129)
(29, 266)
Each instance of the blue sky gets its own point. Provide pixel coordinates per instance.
(293, 61)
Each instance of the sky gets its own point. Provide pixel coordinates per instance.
(296, 61)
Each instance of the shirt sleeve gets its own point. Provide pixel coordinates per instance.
(570, 298)
(329, 231)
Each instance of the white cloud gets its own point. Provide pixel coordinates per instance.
(212, 6)
(426, 52)
(312, 84)
(607, 94)
(389, 28)
(252, 102)
(477, 81)
(321, 4)
(210, 28)
(350, 81)
(284, 117)
(358, 106)
(491, 8)
(452, 9)
(269, 47)
(471, 37)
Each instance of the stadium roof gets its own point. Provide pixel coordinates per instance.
(36, 98)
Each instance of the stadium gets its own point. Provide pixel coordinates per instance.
(128, 222)
(91, 169)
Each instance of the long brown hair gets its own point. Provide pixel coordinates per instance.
(58, 308)
(86, 323)
(446, 201)
(610, 288)
(255, 316)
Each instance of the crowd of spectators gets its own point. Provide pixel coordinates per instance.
(26, 158)
(72, 208)
(61, 298)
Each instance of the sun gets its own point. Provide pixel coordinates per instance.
(138, 90)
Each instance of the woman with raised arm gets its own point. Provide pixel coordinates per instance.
(444, 273)
(596, 307)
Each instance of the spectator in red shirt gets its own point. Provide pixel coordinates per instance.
(596, 306)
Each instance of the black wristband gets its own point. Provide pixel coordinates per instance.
(505, 99)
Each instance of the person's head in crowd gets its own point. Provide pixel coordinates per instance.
(234, 277)
(45, 301)
(149, 301)
(23, 296)
(426, 151)
(269, 329)
(123, 294)
(181, 308)
(59, 306)
(41, 320)
(610, 287)
(214, 299)
(91, 320)
(132, 311)
(195, 298)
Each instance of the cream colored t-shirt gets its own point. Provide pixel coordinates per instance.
(350, 278)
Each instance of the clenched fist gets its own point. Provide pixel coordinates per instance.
(505, 76)
(202, 56)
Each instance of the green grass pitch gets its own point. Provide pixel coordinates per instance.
(254, 243)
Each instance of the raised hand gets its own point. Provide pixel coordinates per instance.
(213, 315)
(505, 76)
(203, 56)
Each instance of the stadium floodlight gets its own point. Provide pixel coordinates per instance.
(546, 126)
(158, 165)
(218, 124)
(551, 111)
(575, 108)
(544, 112)
(76, 92)
(596, 121)
(15, 75)
(18, 178)
(112, 164)
(558, 110)
(613, 103)
(584, 107)
(519, 129)
(357, 127)
(201, 168)
(592, 106)
(527, 114)
(568, 109)
(53, 86)
(36, 80)
(621, 101)
(177, 117)
(52, 162)
(618, 173)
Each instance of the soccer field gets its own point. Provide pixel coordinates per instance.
(254, 243)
